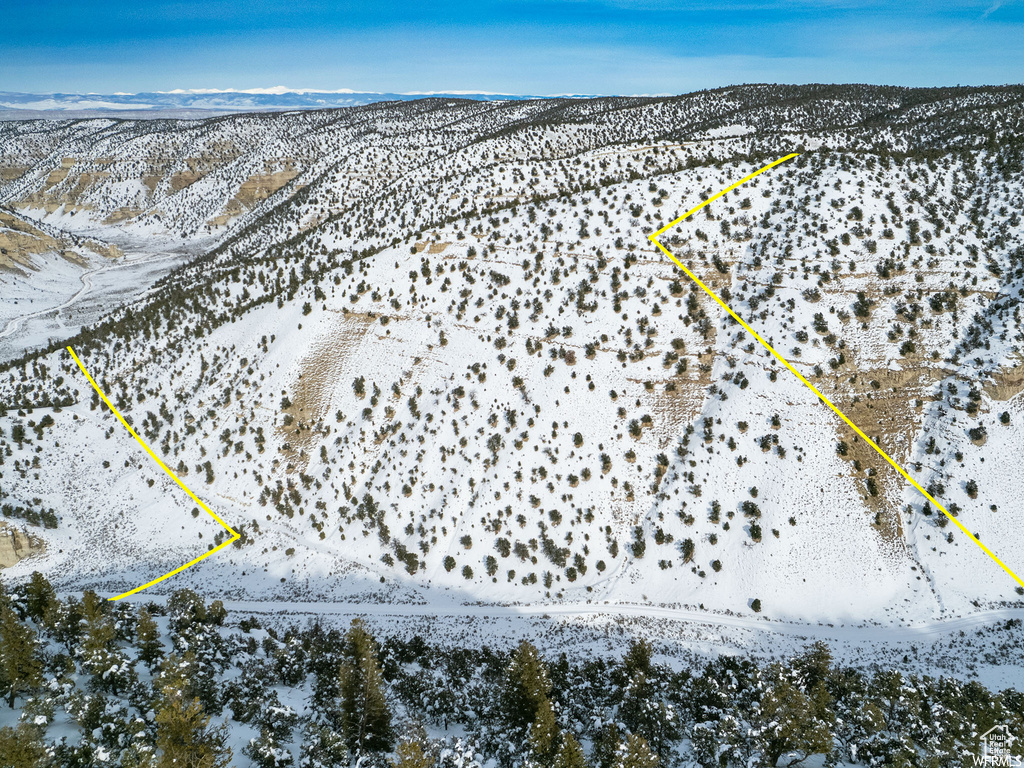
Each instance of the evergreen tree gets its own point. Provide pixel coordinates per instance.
(606, 746)
(184, 735)
(411, 754)
(543, 736)
(637, 659)
(322, 746)
(110, 667)
(64, 622)
(39, 596)
(642, 706)
(570, 753)
(21, 747)
(147, 638)
(791, 721)
(365, 717)
(193, 679)
(814, 665)
(527, 686)
(636, 754)
(267, 752)
(20, 666)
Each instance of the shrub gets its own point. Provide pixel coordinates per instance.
(686, 547)
(755, 605)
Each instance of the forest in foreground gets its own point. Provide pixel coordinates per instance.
(88, 682)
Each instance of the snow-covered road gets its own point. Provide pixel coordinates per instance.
(450, 608)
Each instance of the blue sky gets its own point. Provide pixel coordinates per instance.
(534, 47)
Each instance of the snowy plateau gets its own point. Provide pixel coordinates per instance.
(424, 358)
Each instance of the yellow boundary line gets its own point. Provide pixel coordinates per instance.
(234, 535)
(780, 358)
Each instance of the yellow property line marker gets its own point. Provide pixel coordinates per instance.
(654, 239)
(234, 535)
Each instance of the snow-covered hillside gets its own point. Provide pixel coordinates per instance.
(433, 349)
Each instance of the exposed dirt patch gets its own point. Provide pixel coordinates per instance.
(675, 408)
(318, 376)
(882, 403)
(259, 187)
(183, 179)
(253, 191)
(122, 214)
(1007, 383)
(57, 175)
(12, 172)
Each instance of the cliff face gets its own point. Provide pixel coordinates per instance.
(16, 545)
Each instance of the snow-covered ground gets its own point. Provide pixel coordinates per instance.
(514, 403)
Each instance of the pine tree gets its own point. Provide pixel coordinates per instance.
(267, 752)
(147, 637)
(411, 754)
(64, 622)
(20, 666)
(790, 720)
(526, 686)
(39, 596)
(21, 747)
(365, 716)
(544, 733)
(194, 680)
(108, 664)
(322, 747)
(642, 708)
(570, 754)
(636, 754)
(184, 735)
(606, 746)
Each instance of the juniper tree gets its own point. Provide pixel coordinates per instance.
(365, 716)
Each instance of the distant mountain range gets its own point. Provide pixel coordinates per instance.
(205, 102)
